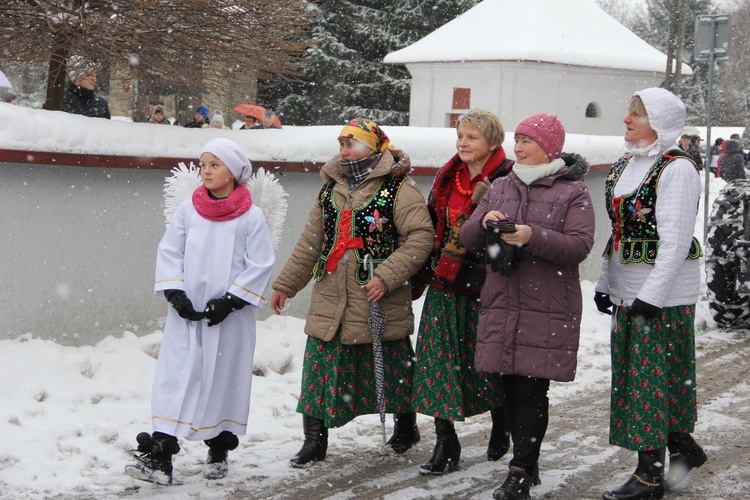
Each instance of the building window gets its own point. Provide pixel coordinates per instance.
(461, 101)
(461, 98)
(592, 110)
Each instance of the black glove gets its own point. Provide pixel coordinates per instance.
(603, 303)
(182, 305)
(217, 310)
(501, 256)
(510, 256)
(643, 310)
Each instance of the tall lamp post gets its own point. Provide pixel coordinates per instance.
(711, 43)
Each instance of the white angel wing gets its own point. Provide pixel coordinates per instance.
(270, 197)
(179, 187)
(265, 189)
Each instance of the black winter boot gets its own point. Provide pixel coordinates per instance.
(647, 482)
(515, 487)
(154, 461)
(315, 445)
(684, 455)
(447, 452)
(533, 473)
(218, 448)
(405, 434)
(499, 436)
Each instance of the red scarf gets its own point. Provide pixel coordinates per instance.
(448, 214)
(227, 208)
(445, 200)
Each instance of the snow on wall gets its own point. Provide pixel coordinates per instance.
(40, 130)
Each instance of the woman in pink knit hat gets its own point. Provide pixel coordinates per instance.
(536, 226)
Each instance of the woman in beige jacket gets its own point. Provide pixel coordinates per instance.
(368, 205)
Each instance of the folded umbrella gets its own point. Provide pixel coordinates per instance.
(377, 320)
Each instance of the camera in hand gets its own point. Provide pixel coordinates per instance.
(505, 225)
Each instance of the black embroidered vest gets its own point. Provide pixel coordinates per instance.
(372, 222)
(633, 218)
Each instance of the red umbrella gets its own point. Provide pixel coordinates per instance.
(255, 111)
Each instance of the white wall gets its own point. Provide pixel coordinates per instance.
(517, 90)
(79, 246)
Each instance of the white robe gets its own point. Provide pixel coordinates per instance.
(204, 374)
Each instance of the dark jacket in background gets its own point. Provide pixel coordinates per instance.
(695, 153)
(81, 101)
(732, 162)
(197, 124)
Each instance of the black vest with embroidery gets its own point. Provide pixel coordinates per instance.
(373, 222)
(634, 220)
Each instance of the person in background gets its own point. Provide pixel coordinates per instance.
(6, 90)
(684, 142)
(694, 150)
(7, 95)
(732, 162)
(158, 116)
(213, 266)
(251, 122)
(151, 106)
(217, 120)
(368, 205)
(446, 386)
(716, 151)
(80, 97)
(737, 137)
(650, 282)
(200, 119)
(537, 226)
(267, 120)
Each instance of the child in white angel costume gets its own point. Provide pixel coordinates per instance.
(213, 265)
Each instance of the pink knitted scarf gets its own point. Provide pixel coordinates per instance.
(227, 208)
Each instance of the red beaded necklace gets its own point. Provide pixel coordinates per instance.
(459, 187)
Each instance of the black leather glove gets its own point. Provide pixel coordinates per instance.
(501, 256)
(217, 310)
(182, 305)
(643, 310)
(603, 302)
(511, 255)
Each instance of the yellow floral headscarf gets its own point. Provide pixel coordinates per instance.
(368, 133)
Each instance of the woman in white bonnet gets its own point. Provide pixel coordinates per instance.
(213, 266)
(650, 283)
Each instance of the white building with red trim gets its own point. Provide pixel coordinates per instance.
(521, 57)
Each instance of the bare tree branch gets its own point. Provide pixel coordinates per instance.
(198, 42)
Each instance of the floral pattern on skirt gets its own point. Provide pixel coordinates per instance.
(338, 381)
(445, 383)
(653, 378)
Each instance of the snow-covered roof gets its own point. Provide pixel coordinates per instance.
(574, 32)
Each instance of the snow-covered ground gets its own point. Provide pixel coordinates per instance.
(69, 415)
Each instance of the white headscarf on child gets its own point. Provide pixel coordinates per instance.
(231, 155)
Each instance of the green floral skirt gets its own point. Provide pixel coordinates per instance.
(338, 381)
(445, 383)
(653, 378)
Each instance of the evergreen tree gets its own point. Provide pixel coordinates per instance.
(343, 75)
